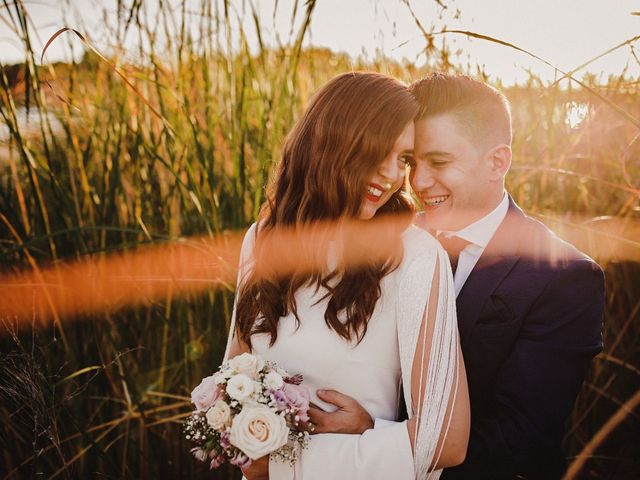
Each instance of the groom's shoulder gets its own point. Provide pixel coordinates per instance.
(542, 239)
(555, 282)
(543, 249)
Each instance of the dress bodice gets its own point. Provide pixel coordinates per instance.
(369, 371)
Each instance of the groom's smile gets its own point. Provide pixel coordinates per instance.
(434, 202)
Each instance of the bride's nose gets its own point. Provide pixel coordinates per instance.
(391, 170)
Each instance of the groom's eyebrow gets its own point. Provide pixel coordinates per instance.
(435, 153)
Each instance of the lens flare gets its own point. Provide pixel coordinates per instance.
(110, 282)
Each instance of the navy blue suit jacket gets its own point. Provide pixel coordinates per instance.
(530, 320)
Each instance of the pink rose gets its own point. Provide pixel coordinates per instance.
(295, 397)
(205, 394)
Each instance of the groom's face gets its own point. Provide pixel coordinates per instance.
(451, 175)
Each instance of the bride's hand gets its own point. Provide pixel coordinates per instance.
(349, 418)
(258, 470)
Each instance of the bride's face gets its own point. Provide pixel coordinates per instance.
(389, 175)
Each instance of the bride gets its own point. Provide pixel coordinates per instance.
(374, 328)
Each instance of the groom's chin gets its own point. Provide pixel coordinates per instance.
(433, 221)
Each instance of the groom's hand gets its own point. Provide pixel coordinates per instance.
(349, 418)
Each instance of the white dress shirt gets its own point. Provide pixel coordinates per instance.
(478, 234)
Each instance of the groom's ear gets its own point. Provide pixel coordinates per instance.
(499, 158)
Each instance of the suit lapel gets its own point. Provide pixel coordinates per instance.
(494, 264)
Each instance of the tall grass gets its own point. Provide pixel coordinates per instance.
(101, 166)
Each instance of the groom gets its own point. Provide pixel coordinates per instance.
(529, 305)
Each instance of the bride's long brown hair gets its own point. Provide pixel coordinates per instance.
(348, 129)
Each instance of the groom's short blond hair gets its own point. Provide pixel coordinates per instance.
(482, 110)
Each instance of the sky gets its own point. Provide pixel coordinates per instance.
(565, 33)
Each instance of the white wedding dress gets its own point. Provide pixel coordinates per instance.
(372, 371)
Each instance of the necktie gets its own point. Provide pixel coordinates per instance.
(453, 245)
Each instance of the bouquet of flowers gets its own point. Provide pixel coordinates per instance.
(247, 409)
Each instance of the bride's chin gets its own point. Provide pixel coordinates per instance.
(367, 212)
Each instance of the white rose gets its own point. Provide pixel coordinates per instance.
(225, 371)
(258, 431)
(273, 380)
(240, 387)
(247, 364)
(219, 415)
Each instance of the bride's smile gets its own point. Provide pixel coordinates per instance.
(389, 175)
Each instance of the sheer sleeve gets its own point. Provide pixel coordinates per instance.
(431, 365)
(432, 370)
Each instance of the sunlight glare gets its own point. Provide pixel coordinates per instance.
(576, 114)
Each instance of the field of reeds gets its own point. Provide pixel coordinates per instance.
(106, 154)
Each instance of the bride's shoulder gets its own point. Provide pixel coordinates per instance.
(418, 243)
(415, 237)
(250, 234)
(249, 241)
(246, 252)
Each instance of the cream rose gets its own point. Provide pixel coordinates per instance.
(258, 431)
(273, 380)
(240, 387)
(219, 415)
(247, 364)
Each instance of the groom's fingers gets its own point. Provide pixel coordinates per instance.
(338, 399)
(321, 421)
(350, 417)
(309, 425)
(336, 422)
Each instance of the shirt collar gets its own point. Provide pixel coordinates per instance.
(480, 232)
